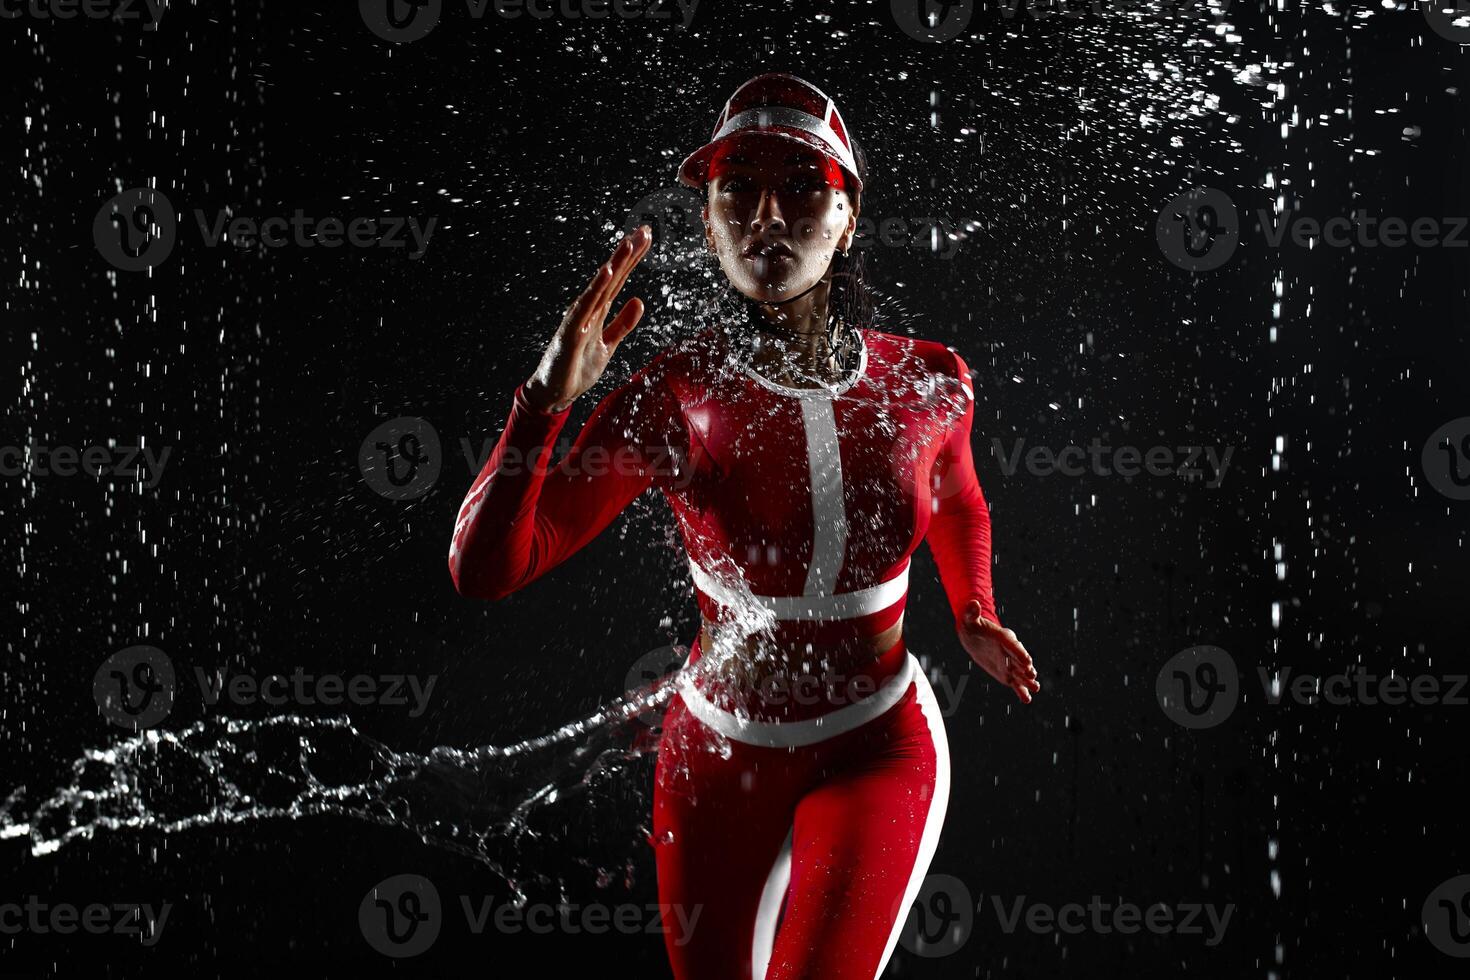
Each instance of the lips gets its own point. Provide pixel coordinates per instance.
(758, 249)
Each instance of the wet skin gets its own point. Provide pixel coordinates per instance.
(773, 222)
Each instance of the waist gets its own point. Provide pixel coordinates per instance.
(788, 685)
(817, 617)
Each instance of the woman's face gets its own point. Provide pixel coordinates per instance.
(774, 220)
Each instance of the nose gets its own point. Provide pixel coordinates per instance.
(767, 219)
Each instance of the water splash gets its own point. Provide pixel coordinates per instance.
(480, 802)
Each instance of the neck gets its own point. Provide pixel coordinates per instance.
(802, 321)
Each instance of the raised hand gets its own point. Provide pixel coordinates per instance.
(582, 346)
(998, 652)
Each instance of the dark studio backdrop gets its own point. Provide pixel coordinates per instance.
(1152, 771)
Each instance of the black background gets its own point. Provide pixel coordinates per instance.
(1059, 139)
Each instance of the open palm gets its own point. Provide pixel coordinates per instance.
(998, 652)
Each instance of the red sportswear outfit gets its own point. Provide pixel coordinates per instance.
(814, 809)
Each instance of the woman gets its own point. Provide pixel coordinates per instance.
(802, 773)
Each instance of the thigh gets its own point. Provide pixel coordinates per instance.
(722, 815)
(862, 845)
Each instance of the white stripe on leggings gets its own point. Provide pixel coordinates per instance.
(769, 910)
(933, 822)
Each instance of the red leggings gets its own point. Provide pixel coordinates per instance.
(797, 862)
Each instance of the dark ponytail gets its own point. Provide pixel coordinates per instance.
(850, 305)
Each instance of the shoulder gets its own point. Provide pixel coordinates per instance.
(915, 355)
(658, 389)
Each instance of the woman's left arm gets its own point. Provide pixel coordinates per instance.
(959, 538)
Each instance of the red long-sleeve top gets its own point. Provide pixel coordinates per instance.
(806, 503)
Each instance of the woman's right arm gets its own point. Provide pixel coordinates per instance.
(523, 516)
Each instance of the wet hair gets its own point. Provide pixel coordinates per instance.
(851, 300)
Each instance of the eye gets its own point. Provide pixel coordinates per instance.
(735, 185)
(805, 184)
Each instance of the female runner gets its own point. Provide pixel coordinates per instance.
(803, 769)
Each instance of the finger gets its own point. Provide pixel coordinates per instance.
(972, 612)
(1014, 648)
(641, 241)
(632, 248)
(1022, 679)
(623, 323)
(576, 314)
